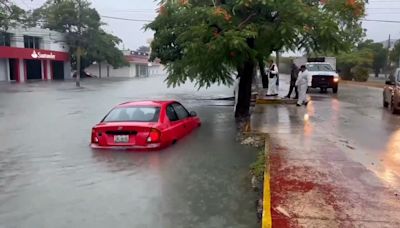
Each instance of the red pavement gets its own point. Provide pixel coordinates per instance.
(314, 182)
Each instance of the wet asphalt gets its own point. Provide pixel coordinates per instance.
(49, 176)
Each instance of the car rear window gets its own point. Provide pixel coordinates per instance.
(133, 114)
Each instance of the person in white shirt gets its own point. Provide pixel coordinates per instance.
(273, 75)
(302, 85)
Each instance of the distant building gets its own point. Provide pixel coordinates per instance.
(139, 66)
(33, 54)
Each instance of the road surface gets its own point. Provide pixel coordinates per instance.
(49, 177)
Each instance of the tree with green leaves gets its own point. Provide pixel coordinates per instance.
(379, 55)
(81, 25)
(206, 41)
(10, 15)
(347, 61)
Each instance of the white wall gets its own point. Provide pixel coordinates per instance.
(124, 72)
(67, 70)
(51, 40)
(3, 70)
(157, 70)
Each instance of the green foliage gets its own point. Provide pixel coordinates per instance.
(257, 168)
(205, 41)
(379, 53)
(10, 15)
(361, 74)
(395, 54)
(82, 26)
(346, 61)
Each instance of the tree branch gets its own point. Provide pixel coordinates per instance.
(247, 19)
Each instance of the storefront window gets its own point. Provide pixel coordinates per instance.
(5, 39)
(32, 42)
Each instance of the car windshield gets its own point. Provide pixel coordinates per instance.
(133, 114)
(319, 67)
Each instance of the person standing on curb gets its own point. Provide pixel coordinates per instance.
(294, 73)
(302, 86)
(272, 74)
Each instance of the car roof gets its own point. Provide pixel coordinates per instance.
(146, 103)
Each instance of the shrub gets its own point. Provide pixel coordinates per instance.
(361, 74)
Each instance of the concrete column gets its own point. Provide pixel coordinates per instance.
(49, 70)
(43, 66)
(8, 69)
(67, 70)
(21, 69)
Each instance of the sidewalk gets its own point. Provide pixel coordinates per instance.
(313, 182)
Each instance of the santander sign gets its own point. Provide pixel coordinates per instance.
(38, 55)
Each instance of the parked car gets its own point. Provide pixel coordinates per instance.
(323, 76)
(144, 125)
(391, 92)
(84, 74)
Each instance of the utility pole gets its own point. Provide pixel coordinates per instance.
(78, 49)
(388, 60)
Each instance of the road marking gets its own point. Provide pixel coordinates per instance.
(266, 216)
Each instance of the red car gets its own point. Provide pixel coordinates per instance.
(144, 125)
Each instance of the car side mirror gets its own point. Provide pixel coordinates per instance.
(193, 114)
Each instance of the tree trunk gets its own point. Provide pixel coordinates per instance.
(78, 68)
(264, 76)
(377, 73)
(246, 74)
(99, 69)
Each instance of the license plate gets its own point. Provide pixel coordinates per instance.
(121, 138)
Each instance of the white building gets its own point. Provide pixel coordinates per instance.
(139, 66)
(33, 54)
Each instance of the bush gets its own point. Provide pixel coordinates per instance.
(361, 74)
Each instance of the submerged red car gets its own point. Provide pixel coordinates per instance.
(144, 125)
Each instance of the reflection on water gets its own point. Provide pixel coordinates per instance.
(391, 161)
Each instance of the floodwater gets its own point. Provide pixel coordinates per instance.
(49, 176)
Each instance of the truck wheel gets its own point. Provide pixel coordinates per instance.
(335, 89)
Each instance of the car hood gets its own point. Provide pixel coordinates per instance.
(325, 73)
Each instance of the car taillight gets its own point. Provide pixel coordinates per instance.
(154, 136)
(94, 136)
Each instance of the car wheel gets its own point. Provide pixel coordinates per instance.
(385, 104)
(335, 89)
(392, 108)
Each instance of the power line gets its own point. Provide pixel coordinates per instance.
(384, 21)
(126, 19)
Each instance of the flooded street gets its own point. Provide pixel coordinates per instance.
(50, 177)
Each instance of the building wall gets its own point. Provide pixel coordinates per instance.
(50, 40)
(108, 71)
(3, 70)
(67, 70)
(157, 70)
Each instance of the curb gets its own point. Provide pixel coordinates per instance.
(266, 214)
(275, 101)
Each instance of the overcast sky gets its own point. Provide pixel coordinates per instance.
(133, 35)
